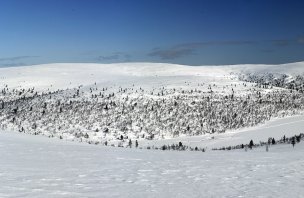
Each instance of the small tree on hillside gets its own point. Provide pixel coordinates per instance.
(293, 141)
(251, 144)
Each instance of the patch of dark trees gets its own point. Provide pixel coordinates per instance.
(269, 80)
(271, 141)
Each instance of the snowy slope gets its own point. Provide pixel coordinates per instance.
(60, 76)
(290, 68)
(33, 166)
(146, 75)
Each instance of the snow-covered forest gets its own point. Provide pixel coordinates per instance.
(115, 114)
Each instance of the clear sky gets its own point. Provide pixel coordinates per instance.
(193, 32)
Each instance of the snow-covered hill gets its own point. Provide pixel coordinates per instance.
(115, 103)
(61, 76)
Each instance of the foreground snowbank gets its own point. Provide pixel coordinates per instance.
(35, 166)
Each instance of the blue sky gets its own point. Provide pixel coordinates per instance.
(193, 32)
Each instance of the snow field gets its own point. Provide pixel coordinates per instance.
(35, 166)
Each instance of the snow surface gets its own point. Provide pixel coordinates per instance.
(36, 166)
(70, 75)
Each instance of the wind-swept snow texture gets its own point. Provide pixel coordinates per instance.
(35, 166)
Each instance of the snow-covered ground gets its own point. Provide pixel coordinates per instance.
(36, 166)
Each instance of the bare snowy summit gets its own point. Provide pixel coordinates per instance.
(68, 75)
